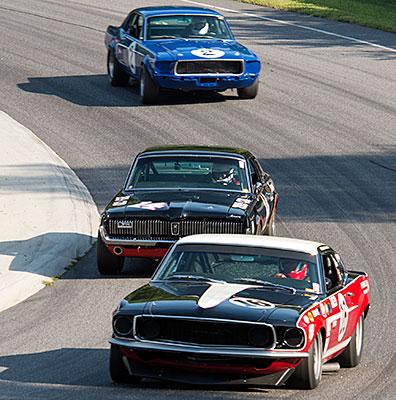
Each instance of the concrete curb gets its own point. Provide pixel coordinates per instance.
(47, 215)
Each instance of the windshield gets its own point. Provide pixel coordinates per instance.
(189, 172)
(268, 268)
(187, 26)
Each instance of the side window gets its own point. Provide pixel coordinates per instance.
(252, 172)
(139, 27)
(332, 271)
(340, 268)
(129, 26)
(134, 26)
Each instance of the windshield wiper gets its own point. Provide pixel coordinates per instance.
(266, 284)
(194, 278)
(163, 37)
(201, 37)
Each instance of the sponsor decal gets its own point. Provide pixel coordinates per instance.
(120, 201)
(333, 301)
(208, 53)
(365, 286)
(243, 204)
(316, 287)
(311, 331)
(306, 319)
(149, 205)
(323, 310)
(311, 317)
(315, 312)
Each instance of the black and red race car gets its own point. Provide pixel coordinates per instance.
(242, 309)
(175, 191)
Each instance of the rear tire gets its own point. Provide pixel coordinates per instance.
(118, 371)
(117, 77)
(149, 91)
(107, 263)
(249, 92)
(308, 373)
(351, 356)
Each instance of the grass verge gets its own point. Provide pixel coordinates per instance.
(378, 14)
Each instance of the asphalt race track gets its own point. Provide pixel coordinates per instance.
(323, 124)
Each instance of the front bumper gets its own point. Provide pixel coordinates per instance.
(208, 365)
(210, 82)
(214, 350)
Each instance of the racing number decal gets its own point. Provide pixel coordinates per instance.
(132, 57)
(344, 311)
(208, 53)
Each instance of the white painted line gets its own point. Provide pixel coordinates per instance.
(293, 24)
(47, 215)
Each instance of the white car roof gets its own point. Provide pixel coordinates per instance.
(273, 242)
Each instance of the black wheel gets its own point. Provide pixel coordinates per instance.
(249, 92)
(350, 357)
(118, 367)
(108, 264)
(149, 91)
(117, 77)
(308, 373)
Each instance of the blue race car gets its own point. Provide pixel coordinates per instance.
(187, 48)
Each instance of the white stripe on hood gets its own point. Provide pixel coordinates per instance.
(216, 293)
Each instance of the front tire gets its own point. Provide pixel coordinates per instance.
(309, 372)
(351, 356)
(117, 77)
(118, 370)
(249, 92)
(149, 91)
(107, 263)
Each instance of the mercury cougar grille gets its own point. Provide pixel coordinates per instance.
(209, 67)
(159, 229)
(203, 332)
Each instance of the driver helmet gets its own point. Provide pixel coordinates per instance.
(294, 269)
(199, 26)
(223, 173)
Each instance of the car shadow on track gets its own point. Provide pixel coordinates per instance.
(95, 91)
(86, 369)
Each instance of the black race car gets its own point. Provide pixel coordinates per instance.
(175, 191)
(242, 309)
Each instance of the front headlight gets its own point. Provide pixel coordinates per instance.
(293, 337)
(123, 325)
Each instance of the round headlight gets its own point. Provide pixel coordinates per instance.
(149, 329)
(259, 336)
(123, 325)
(293, 337)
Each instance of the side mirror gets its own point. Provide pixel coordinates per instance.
(257, 187)
(328, 283)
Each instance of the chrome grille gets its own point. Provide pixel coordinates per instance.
(209, 67)
(160, 229)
